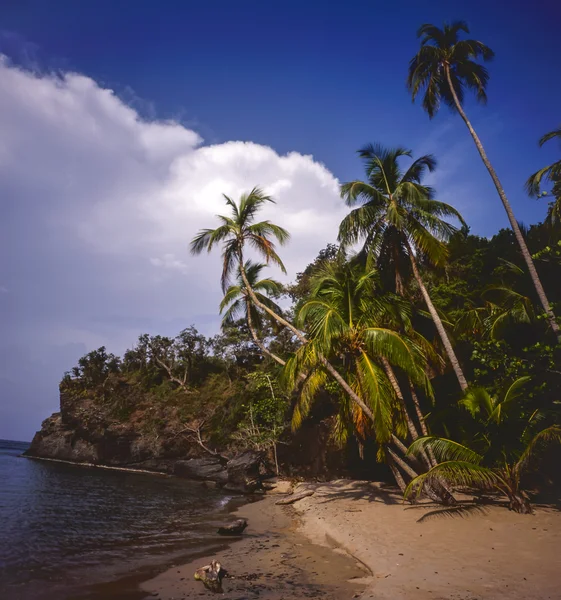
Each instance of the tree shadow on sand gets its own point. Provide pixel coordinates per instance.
(358, 490)
(461, 511)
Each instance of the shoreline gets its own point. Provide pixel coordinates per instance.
(273, 560)
(99, 466)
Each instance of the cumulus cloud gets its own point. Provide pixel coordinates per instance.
(98, 208)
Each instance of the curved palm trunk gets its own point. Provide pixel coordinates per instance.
(421, 418)
(445, 497)
(256, 339)
(328, 366)
(438, 323)
(512, 220)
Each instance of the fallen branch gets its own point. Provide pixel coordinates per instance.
(295, 497)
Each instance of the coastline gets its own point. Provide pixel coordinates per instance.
(273, 560)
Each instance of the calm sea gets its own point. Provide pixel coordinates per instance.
(64, 528)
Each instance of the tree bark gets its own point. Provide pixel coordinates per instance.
(397, 389)
(512, 219)
(397, 475)
(438, 323)
(421, 418)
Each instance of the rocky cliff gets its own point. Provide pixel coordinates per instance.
(151, 436)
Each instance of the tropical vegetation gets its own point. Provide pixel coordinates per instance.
(431, 355)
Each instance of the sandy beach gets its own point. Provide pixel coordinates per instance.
(419, 552)
(358, 540)
(273, 560)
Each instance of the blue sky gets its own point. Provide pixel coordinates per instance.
(291, 77)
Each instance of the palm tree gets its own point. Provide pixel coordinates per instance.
(344, 319)
(551, 173)
(493, 465)
(442, 69)
(237, 303)
(397, 216)
(238, 230)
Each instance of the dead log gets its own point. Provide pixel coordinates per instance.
(295, 497)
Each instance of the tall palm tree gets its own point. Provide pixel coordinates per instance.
(551, 173)
(237, 303)
(398, 216)
(240, 229)
(442, 69)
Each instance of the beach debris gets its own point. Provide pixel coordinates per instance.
(295, 497)
(211, 576)
(235, 528)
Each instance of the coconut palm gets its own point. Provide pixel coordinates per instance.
(552, 174)
(240, 229)
(396, 216)
(237, 303)
(345, 319)
(442, 70)
(342, 320)
(489, 461)
(237, 231)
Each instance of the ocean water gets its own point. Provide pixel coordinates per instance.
(64, 528)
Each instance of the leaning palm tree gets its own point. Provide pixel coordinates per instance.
(240, 229)
(552, 174)
(395, 215)
(237, 303)
(442, 69)
(345, 319)
(485, 462)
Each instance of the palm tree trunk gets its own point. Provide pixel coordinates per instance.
(397, 475)
(256, 339)
(442, 497)
(328, 366)
(512, 219)
(421, 418)
(438, 322)
(397, 389)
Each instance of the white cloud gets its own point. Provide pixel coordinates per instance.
(99, 207)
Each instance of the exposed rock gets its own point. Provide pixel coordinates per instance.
(244, 472)
(206, 469)
(211, 576)
(235, 528)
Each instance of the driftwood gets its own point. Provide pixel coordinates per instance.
(235, 528)
(211, 576)
(295, 497)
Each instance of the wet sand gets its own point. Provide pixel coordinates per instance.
(273, 560)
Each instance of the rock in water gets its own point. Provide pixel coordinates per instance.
(235, 528)
(211, 576)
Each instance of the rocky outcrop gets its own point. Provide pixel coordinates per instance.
(69, 436)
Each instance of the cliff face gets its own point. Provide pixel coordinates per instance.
(151, 436)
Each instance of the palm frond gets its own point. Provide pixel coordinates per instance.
(546, 436)
(455, 473)
(444, 450)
